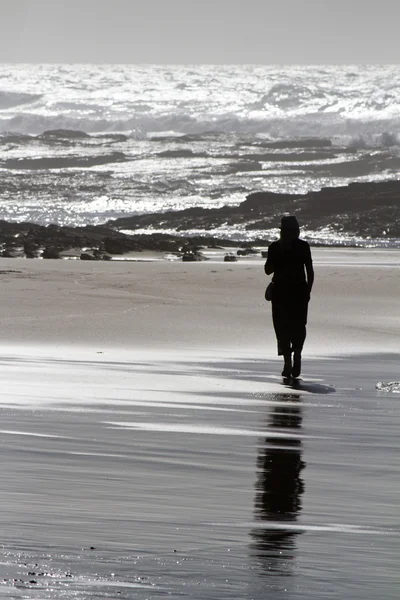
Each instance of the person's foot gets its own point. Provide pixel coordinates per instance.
(296, 369)
(287, 369)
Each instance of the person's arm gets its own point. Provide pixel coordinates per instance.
(309, 269)
(310, 275)
(269, 265)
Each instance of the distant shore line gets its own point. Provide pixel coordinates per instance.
(359, 214)
(53, 242)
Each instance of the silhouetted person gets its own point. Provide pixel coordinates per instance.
(289, 259)
(279, 488)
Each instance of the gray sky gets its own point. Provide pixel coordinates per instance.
(200, 31)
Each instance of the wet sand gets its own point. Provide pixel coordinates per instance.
(150, 446)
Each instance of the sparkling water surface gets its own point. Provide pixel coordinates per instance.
(154, 138)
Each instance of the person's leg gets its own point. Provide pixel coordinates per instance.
(296, 368)
(287, 365)
(280, 321)
(298, 337)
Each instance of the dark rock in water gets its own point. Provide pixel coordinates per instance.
(265, 202)
(189, 218)
(190, 256)
(51, 252)
(95, 254)
(364, 209)
(64, 133)
(230, 257)
(246, 251)
(88, 256)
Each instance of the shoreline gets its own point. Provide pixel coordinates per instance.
(184, 248)
(241, 250)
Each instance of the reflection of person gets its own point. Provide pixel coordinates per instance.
(289, 259)
(279, 488)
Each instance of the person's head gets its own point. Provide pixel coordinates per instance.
(290, 229)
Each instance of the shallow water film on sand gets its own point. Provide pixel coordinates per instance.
(197, 478)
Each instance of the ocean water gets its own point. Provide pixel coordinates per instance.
(82, 144)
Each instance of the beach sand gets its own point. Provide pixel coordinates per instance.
(151, 448)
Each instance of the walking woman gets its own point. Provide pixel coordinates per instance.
(289, 259)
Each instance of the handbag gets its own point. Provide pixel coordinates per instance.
(268, 292)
